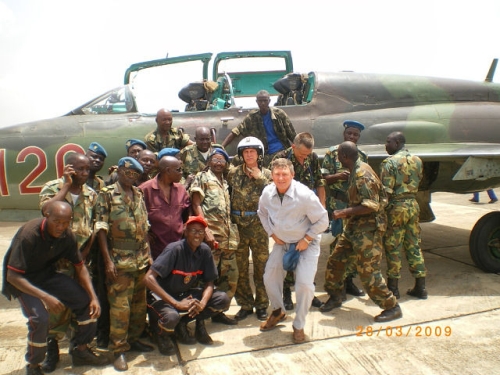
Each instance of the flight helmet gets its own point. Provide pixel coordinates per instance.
(251, 142)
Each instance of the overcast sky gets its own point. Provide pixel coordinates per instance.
(58, 54)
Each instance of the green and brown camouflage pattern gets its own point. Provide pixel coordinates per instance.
(245, 196)
(401, 174)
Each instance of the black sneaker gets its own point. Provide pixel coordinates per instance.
(87, 358)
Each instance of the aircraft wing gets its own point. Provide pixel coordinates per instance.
(472, 161)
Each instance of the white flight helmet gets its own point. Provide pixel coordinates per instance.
(251, 142)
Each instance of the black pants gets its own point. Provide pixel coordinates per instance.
(168, 317)
(73, 296)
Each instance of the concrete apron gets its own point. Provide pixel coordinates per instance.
(454, 330)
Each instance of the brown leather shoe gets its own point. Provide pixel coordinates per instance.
(298, 335)
(120, 363)
(276, 317)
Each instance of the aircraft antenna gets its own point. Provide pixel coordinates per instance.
(491, 72)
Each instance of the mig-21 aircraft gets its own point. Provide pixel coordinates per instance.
(452, 125)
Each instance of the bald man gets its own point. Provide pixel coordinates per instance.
(165, 135)
(30, 276)
(73, 189)
(361, 241)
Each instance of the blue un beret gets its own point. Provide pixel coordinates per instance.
(354, 124)
(98, 149)
(220, 151)
(132, 142)
(130, 163)
(168, 151)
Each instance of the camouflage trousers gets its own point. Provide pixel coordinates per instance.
(254, 237)
(403, 235)
(127, 309)
(365, 250)
(337, 204)
(225, 261)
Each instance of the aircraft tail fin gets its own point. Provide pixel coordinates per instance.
(491, 72)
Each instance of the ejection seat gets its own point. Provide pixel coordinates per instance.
(291, 88)
(198, 95)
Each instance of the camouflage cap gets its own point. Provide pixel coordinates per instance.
(132, 142)
(98, 149)
(354, 124)
(130, 163)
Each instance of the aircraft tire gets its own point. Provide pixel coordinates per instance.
(484, 242)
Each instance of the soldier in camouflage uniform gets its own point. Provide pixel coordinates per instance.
(246, 182)
(307, 171)
(97, 155)
(401, 174)
(195, 157)
(71, 188)
(122, 227)
(361, 241)
(210, 199)
(165, 135)
(336, 176)
(270, 125)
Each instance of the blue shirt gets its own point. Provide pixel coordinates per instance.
(273, 142)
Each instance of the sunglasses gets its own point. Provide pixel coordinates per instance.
(131, 173)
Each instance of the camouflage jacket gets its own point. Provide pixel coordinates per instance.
(98, 183)
(215, 201)
(246, 191)
(309, 174)
(126, 224)
(365, 188)
(252, 125)
(401, 174)
(176, 139)
(83, 209)
(192, 159)
(333, 165)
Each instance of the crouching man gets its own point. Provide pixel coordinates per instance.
(30, 276)
(182, 282)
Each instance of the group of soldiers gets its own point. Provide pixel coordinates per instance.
(169, 234)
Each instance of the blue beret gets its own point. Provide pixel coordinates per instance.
(354, 124)
(132, 142)
(98, 149)
(220, 151)
(130, 163)
(168, 151)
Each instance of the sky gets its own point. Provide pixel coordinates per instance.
(59, 54)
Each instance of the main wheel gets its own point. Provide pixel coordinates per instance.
(484, 243)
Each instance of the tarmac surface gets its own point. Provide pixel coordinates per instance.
(454, 331)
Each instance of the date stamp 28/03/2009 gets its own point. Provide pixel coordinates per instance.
(400, 331)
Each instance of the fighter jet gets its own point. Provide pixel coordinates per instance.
(453, 125)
